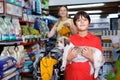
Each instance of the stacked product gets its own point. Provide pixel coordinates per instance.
(17, 52)
(8, 29)
(7, 66)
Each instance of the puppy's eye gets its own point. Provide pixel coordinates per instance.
(60, 41)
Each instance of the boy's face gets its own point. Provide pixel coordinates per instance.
(82, 23)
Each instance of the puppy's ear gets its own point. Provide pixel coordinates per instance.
(66, 41)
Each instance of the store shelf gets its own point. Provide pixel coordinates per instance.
(29, 43)
(10, 42)
(107, 48)
(23, 21)
(107, 37)
(108, 60)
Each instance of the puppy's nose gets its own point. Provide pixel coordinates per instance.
(62, 50)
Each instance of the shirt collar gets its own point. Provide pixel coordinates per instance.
(88, 36)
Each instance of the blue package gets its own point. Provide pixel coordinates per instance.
(7, 72)
(6, 62)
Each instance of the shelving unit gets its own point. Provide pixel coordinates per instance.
(11, 10)
(106, 38)
(107, 43)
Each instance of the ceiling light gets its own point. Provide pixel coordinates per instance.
(91, 16)
(72, 12)
(83, 6)
(72, 16)
(94, 16)
(112, 16)
(93, 11)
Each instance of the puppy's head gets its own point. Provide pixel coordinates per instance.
(62, 42)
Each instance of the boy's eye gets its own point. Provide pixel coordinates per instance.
(78, 20)
(82, 19)
(85, 19)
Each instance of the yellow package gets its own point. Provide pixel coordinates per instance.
(64, 31)
(46, 67)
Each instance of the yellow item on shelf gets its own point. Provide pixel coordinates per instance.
(46, 67)
(36, 32)
(64, 31)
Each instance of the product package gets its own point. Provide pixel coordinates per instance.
(11, 28)
(3, 30)
(6, 62)
(16, 24)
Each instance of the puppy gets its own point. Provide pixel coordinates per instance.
(64, 43)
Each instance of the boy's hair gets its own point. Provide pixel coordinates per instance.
(80, 14)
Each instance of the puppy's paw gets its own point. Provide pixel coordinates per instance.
(95, 75)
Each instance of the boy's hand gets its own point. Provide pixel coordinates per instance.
(88, 53)
(72, 54)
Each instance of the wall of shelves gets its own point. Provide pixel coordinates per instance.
(106, 38)
(107, 43)
(9, 10)
(24, 17)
